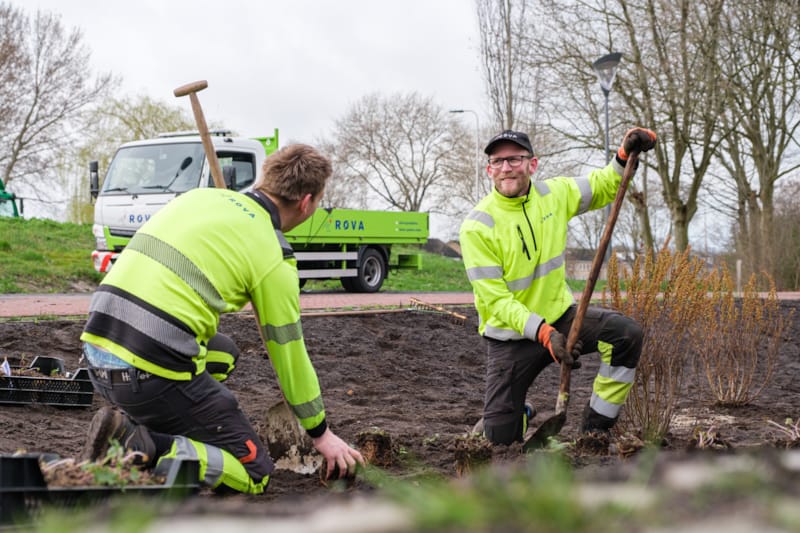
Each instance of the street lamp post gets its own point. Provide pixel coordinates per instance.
(477, 149)
(606, 70)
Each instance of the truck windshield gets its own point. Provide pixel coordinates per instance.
(155, 169)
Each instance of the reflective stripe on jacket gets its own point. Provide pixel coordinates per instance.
(514, 251)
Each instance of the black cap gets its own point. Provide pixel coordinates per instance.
(516, 137)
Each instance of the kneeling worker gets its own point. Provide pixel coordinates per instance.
(151, 337)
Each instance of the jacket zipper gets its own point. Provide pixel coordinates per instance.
(530, 227)
(524, 245)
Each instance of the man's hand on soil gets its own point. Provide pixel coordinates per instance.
(338, 455)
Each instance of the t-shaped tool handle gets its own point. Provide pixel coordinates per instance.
(192, 89)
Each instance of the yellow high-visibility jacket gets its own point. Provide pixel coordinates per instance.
(514, 251)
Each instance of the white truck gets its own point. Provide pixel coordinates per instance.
(351, 245)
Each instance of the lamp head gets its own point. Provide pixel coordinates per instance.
(606, 69)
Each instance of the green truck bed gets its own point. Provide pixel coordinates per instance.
(353, 226)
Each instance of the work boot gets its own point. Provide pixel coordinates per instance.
(594, 422)
(110, 424)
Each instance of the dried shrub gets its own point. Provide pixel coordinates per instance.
(739, 340)
(666, 294)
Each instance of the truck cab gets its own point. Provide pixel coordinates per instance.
(144, 175)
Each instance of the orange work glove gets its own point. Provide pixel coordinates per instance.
(636, 140)
(556, 344)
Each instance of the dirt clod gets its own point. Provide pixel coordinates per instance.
(376, 447)
(592, 443)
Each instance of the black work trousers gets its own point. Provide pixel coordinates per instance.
(512, 366)
(202, 409)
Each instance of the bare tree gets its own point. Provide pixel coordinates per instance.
(785, 237)
(51, 87)
(340, 191)
(762, 122)
(13, 62)
(675, 86)
(118, 120)
(402, 149)
(505, 34)
(516, 73)
(668, 81)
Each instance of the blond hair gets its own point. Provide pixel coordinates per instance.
(294, 171)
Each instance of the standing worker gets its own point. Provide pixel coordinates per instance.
(151, 339)
(514, 243)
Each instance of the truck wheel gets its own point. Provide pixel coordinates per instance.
(371, 273)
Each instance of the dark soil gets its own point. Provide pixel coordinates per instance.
(413, 378)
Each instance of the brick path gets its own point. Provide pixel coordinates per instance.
(32, 305)
(25, 305)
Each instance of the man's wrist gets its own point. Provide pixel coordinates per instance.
(318, 431)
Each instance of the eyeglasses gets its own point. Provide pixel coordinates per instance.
(513, 161)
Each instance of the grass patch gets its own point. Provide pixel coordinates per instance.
(44, 256)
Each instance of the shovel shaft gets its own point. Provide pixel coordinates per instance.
(566, 370)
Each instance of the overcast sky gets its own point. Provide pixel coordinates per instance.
(295, 65)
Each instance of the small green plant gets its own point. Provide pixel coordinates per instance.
(554, 444)
(538, 495)
(118, 468)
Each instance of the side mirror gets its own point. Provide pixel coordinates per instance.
(229, 177)
(94, 179)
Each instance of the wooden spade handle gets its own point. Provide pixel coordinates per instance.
(194, 87)
(191, 89)
(566, 370)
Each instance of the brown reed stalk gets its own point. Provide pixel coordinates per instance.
(665, 293)
(739, 340)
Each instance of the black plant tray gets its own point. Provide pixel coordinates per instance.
(24, 493)
(66, 391)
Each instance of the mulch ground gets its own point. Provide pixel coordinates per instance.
(416, 378)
